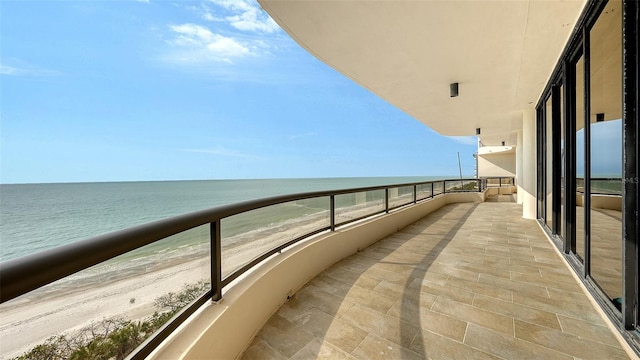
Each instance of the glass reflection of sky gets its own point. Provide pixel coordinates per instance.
(606, 149)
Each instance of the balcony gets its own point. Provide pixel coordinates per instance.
(453, 276)
(467, 281)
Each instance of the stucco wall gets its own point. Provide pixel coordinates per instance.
(497, 165)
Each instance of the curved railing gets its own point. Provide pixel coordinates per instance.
(499, 181)
(23, 275)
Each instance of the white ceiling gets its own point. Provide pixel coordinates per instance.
(408, 52)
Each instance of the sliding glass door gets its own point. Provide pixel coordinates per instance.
(588, 156)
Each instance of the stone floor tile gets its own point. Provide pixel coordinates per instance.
(497, 272)
(339, 333)
(331, 285)
(508, 347)
(285, 337)
(584, 311)
(387, 275)
(468, 313)
(260, 350)
(396, 291)
(480, 288)
(513, 285)
(377, 348)
(547, 281)
(566, 343)
(462, 295)
(442, 325)
(343, 275)
(563, 295)
(382, 325)
(455, 271)
(434, 346)
(526, 267)
(517, 311)
(370, 299)
(312, 296)
(599, 333)
(318, 349)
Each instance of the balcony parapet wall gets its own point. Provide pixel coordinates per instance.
(224, 329)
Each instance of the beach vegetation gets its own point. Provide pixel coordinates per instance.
(115, 338)
(466, 187)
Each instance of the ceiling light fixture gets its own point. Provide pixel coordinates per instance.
(453, 90)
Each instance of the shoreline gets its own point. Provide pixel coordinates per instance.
(76, 301)
(30, 320)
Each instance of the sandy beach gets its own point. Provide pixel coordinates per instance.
(31, 319)
(130, 294)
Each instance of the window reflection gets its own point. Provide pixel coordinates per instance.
(579, 169)
(549, 164)
(606, 151)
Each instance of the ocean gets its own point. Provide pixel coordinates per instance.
(34, 217)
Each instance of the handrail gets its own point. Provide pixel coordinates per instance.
(22, 275)
(510, 180)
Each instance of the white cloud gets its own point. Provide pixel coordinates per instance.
(200, 44)
(465, 140)
(25, 70)
(246, 16)
(303, 135)
(9, 70)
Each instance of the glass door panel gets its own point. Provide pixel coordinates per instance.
(606, 151)
(549, 164)
(579, 149)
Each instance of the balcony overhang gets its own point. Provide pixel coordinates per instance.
(408, 53)
(494, 150)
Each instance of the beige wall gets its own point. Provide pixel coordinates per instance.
(497, 164)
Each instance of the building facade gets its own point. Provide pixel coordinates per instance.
(587, 151)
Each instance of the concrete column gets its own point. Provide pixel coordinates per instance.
(519, 177)
(529, 172)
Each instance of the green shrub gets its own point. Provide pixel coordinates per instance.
(114, 338)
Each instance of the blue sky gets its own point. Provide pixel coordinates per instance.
(146, 90)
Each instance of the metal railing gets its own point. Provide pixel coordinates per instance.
(23, 275)
(499, 181)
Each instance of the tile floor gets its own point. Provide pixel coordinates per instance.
(469, 281)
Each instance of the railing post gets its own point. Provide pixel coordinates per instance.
(332, 212)
(386, 200)
(415, 194)
(216, 261)
(499, 182)
(444, 186)
(432, 189)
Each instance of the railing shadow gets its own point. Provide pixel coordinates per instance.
(412, 294)
(328, 293)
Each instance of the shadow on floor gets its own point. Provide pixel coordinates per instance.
(511, 198)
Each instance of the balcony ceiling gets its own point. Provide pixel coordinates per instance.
(408, 52)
